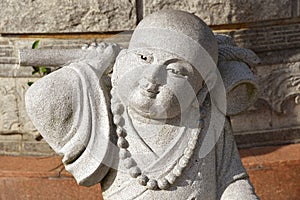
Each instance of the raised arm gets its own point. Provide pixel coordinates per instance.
(69, 107)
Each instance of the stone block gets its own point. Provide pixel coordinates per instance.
(7, 51)
(12, 106)
(40, 148)
(274, 118)
(269, 37)
(8, 105)
(10, 148)
(66, 16)
(10, 137)
(216, 12)
(13, 70)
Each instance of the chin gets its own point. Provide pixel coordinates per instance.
(150, 109)
(162, 106)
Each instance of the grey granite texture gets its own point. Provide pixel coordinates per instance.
(217, 12)
(57, 16)
(12, 106)
(168, 102)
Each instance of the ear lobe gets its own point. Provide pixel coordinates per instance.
(240, 85)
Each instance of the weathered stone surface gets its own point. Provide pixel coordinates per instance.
(17, 134)
(12, 109)
(272, 137)
(215, 12)
(10, 148)
(267, 41)
(8, 106)
(278, 105)
(25, 148)
(14, 70)
(40, 148)
(7, 52)
(54, 16)
(269, 37)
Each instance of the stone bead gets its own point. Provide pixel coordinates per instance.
(177, 170)
(152, 184)
(143, 179)
(163, 184)
(135, 172)
(171, 178)
(122, 143)
(129, 162)
(188, 152)
(121, 132)
(124, 153)
(119, 120)
(195, 134)
(192, 144)
(183, 161)
(118, 109)
(114, 100)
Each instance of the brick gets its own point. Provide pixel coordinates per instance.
(29, 166)
(268, 38)
(274, 171)
(216, 12)
(37, 188)
(66, 16)
(40, 178)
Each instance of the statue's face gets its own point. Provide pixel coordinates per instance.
(157, 84)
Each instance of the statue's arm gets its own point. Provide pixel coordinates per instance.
(240, 189)
(49, 104)
(69, 107)
(233, 180)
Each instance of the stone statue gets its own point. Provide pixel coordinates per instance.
(156, 125)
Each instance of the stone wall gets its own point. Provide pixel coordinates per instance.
(270, 28)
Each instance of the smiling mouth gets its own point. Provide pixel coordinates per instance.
(149, 93)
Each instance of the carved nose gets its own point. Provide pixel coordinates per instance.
(149, 86)
(155, 74)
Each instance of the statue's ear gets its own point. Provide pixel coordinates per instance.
(240, 85)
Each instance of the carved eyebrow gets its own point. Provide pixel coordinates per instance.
(174, 60)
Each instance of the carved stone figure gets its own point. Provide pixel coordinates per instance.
(156, 126)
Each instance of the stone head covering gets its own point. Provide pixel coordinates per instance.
(187, 36)
(183, 34)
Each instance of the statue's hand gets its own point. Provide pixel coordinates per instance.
(101, 56)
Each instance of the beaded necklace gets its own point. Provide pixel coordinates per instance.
(129, 162)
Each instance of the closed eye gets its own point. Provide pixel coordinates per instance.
(174, 71)
(177, 69)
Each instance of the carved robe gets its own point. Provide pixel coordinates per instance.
(71, 110)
